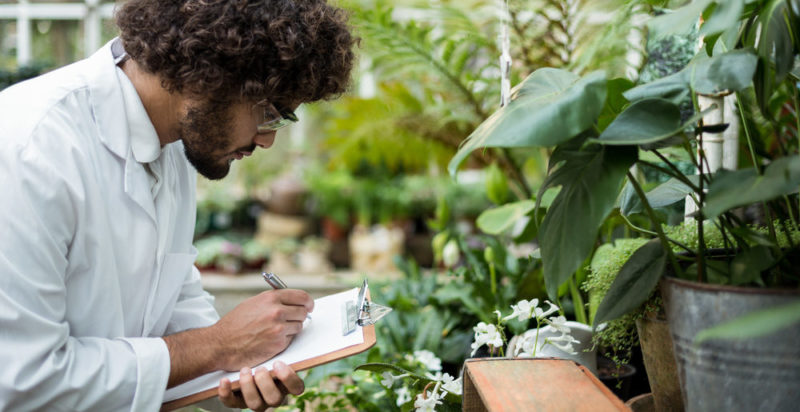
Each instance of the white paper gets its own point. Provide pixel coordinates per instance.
(321, 335)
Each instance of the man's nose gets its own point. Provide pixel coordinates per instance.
(264, 140)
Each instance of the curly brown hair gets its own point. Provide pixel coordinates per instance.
(286, 51)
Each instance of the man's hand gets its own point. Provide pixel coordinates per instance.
(261, 327)
(256, 330)
(259, 391)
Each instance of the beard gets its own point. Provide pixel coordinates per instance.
(204, 132)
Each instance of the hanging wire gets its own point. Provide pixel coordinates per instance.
(505, 57)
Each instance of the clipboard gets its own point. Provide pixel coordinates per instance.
(357, 314)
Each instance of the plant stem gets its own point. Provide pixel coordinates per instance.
(577, 302)
(747, 134)
(493, 280)
(677, 174)
(657, 226)
(650, 232)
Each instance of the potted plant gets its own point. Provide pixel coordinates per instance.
(600, 128)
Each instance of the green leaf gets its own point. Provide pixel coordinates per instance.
(615, 102)
(498, 220)
(629, 202)
(742, 187)
(759, 323)
(732, 71)
(678, 21)
(747, 266)
(634, 283)
(388, 367)
(590, 180)
(644, 121)
(674, 88)
(665, 194)
(717, 272)
(547, 108)
(724, 16)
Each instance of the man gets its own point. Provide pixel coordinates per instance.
(101, 307)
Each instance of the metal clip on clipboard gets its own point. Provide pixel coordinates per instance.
(362, 312)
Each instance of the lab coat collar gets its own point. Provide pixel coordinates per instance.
(144, 140)
(107, 100)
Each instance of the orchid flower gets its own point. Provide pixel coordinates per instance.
(486, 334)
(403, 395)
(428, 359)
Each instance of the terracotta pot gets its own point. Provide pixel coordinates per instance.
(659, 363)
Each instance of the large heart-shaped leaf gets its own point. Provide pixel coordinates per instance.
(742, 187)
(677, 21)
(549, 107)
(674, 88)
(590, 181)
(615, 101)
(498, 220)
(644, 121)
(634, 283)
(725, 16)
(728, 71)
(665, 194)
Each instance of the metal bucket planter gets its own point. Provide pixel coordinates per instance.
(757, 374)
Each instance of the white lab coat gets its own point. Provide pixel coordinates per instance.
(96, 262)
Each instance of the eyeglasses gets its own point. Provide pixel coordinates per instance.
(271, 118)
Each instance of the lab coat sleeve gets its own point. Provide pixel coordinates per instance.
(44, 367)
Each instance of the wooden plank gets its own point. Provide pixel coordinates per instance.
(505, 385)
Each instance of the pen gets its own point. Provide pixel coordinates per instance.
(276, 283)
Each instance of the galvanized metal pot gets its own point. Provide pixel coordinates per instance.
(758, 374)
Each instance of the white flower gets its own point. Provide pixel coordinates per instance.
(523, 309)
(403, 395)
(527, 347)
(453, 386)
(427, 402)
(559, 323)
(564, 343)
(541, 314)
(486, 335)
(428, 359)
(449, 383)
(450, 254)
(389, 379)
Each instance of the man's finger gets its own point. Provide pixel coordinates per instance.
(269, 390)
(295, 297)
(227, 396)
(295, 313)
(288, 378)
(251, 394)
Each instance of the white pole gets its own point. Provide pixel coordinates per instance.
(720, 150)
(24, 42)
(730, 137)
(91, 27)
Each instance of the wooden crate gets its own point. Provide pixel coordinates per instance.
(503, 384)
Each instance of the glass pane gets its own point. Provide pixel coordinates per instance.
(109, 31)
(8, 44)
(57, 42)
